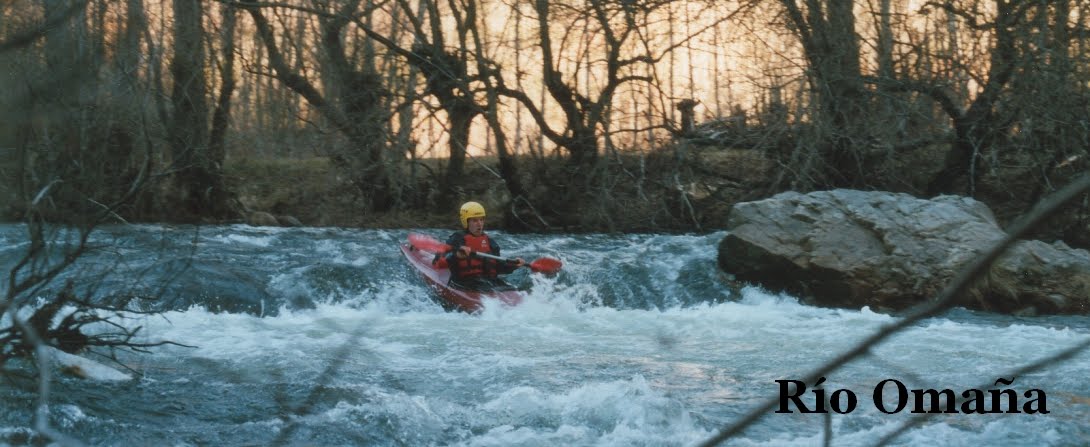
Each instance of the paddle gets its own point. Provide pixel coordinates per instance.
(548, 266)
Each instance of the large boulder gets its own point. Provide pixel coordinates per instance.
(846, 248)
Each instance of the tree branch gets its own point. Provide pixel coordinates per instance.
(27, 37)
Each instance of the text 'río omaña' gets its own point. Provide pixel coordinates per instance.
(891, 396)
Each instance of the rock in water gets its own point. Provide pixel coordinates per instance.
(847, 248)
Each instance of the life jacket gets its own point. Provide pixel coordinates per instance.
(472, 265)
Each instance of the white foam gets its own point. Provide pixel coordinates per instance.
(246, 239)
(619, 412)
(350, 253)
(562, 369)
(84, 367)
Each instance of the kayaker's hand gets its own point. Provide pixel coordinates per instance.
(464, 252)
(519, 262)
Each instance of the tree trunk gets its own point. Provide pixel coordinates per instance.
(976, 128)
(357, 112)
(583, 147)
(189, 123)
(461, 120)
(827, 34)
(221, 201)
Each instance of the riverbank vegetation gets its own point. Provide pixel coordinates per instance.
(389, 114)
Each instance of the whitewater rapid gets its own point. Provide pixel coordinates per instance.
(325, 336)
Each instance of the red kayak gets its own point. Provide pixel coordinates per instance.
(466, 300)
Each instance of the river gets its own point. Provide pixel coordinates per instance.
(325, 336)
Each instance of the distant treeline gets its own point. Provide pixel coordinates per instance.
(135, 107)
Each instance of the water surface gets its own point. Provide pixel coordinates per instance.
(327, 337)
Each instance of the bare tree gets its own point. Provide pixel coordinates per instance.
(354, 108)
(72, 176)
(487, 70)
(198, 159)
(615, 24)
(446, 77)
(221, 117)
(977, 127)
(827, 34)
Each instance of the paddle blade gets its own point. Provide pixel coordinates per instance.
(548, 266)
(425, 242)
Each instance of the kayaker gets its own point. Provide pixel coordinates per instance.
(471, 272)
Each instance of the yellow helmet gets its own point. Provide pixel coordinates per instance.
(470, 210)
